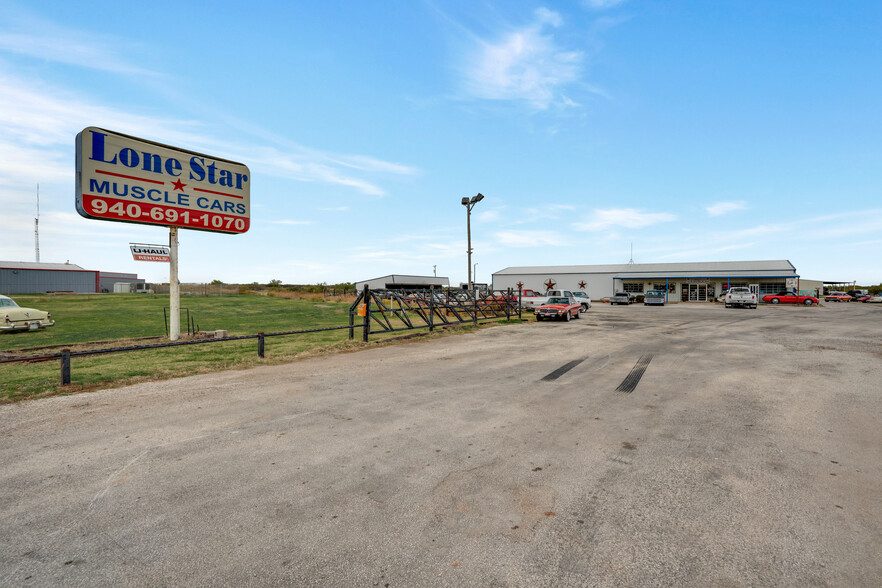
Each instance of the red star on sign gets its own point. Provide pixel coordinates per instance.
(550, 283)
(178, 185)
(582, 285)
(520, 285)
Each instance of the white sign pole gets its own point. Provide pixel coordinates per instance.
(174, 330)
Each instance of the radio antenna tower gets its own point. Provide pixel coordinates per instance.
(37, 227)
(631, 261)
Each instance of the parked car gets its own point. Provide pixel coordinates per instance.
(837, 297)
(874, 299)
(16, 318)
(739, 296)
(531, 299)
(621, 298)
(559, 307)
(858, 293)
(654, 297)
(583, 299)
(862, 297)
(790, 298)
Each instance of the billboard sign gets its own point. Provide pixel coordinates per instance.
(126, 179)
(142, 252)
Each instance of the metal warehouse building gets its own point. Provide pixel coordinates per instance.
(686, 282)
(19, 277)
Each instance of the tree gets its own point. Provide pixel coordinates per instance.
(274, 283)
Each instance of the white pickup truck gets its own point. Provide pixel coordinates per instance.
(583, 299)
(740, 296)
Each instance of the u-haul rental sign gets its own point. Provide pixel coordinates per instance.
(126, 179)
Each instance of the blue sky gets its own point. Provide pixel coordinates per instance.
(698, 131)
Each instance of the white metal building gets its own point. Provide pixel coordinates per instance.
(686, 282)
(402, 282)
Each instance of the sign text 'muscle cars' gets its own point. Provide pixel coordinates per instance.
(123, 178)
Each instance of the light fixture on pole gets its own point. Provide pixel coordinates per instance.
(469, 203)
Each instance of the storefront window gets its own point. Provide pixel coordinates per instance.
(633, 287)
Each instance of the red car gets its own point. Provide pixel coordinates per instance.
(559, 307)
(837, 297)
(790, 298)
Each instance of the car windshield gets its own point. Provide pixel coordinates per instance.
(558, 301)
(655, 294)
(8, 302)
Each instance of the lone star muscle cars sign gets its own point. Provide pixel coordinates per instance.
(126, 179)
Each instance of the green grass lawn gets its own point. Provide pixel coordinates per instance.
(122, 317)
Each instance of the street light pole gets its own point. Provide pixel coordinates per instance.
(469, 203)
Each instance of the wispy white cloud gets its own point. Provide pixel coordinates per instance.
(530, 238)
(524, 64)
(602, 4)
(488, 215)
(721, 208)
(629, 218)
(25, 35)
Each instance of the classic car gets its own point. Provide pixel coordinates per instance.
(837, 297)
(15, 318)
(559, 307)
(874, 299)
(621, 298)
(654, 297)
(790, 298)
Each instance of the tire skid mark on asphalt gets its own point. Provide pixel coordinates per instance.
(563, 369)
(632, 379)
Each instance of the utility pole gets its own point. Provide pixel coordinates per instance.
(37, 227)
(469, 203)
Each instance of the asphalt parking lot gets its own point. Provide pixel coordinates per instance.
(685, 445)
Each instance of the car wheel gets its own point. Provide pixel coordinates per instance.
(808, 302)
(567, 316)
(774, 301)
(538, 318)
(585, 307)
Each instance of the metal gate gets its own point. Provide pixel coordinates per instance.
(387, 311)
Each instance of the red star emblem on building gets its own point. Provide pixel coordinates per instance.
(582, 285)
(178, 186)
(520, 285)
(550, 284)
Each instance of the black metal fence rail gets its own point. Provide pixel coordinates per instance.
(66, 354)
(387, 310)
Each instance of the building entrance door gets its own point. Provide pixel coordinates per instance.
(697, 292)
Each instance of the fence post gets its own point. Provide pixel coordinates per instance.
(431, 309)
(520, 298)
(475, 297)
(260, 344)
(366, 330)
(65, 367)
(508, 305)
